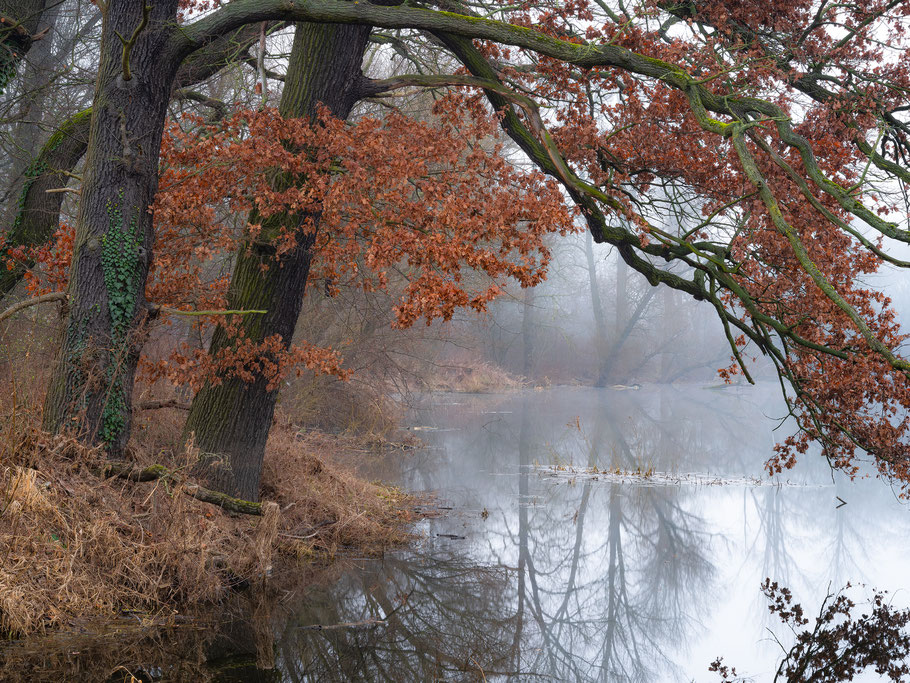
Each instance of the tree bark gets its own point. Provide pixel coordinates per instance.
(91, 387)
(20, 23)
(38, 211)
(229, 422)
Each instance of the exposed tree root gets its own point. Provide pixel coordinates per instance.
(126, 470)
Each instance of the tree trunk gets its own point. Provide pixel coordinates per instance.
(38, 211)
(670, 327)
(21, 19)
(528, 331)
(601, 342)
(230, 422)
(32, 97)
(90, 390)
(621, 338)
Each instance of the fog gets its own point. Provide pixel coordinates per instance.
(595, 321)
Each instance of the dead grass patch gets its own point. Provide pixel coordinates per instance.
(473, 378)
(73, 546)
(324, 505)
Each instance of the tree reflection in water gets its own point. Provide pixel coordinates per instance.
(574, 576)
(597, 583)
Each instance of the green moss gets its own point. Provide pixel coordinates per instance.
(66, 130)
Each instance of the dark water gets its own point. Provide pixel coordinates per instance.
(544, 570)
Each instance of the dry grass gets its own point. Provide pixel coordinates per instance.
(73, 546)
(324, 506)
(473, 378)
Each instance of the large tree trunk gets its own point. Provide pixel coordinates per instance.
(38, 207)
(21, 21)
(90, 390)
(230, 422)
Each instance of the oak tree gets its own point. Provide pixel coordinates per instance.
(776, 133)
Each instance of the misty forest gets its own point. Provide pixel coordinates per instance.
(436, 340)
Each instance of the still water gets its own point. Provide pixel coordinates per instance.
(547, 569)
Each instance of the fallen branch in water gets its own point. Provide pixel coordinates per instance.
(125, 470)
(349, 624)
(359, 624)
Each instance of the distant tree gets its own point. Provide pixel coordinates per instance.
(20, 28)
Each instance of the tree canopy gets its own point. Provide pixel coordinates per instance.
(753, 155)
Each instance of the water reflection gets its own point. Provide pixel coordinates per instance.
(609, 590)
(545, 573)
(583, 577)
(443, 620)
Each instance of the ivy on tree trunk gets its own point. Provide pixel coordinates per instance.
(90, 391)
(38, 205)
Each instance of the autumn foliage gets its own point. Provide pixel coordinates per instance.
(434, 200)
(759, 148)
(836, 75)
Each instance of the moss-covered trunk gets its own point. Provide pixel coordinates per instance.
(231, 421)
(38, 207)
(90, 390)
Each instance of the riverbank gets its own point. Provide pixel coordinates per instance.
(78, 547)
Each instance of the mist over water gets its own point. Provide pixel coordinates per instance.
(546, 570)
